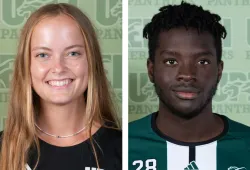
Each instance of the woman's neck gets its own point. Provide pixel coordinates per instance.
(62, 119)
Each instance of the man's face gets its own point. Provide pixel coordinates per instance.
(185, 71)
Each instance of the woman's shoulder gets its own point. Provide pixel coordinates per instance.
(111, 133)
(109, 136)
(110, 144)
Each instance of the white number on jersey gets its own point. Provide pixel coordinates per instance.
(150, 164)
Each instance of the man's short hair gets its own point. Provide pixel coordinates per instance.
(188, 16)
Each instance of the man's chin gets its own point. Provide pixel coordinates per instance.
(185, 111)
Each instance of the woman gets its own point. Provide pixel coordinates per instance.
(61, 114)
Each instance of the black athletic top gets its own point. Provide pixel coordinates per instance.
(108, 145)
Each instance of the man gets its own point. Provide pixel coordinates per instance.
(185, 67)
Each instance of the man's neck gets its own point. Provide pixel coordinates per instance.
(203, 127)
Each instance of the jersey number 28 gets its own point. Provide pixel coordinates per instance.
(150, 164)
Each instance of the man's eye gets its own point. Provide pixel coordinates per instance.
(204, 62)
(171, 62)
(74, 53)
(42, 55)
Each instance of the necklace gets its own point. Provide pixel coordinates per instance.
(58, 136)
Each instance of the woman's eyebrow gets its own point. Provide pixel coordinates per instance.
(72, 46)
(43, 48)
(48, 49)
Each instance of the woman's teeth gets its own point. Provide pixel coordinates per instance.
(59, 83)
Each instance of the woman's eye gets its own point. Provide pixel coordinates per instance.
(74, 54)
(204, 62)
(171, 62)
(42, 55)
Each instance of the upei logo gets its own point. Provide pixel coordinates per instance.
(140, 88)
(232, 86)
(15, 12)
(6, 69)
(113, 69)
(3, 122)
(135, 27)
(109, 12)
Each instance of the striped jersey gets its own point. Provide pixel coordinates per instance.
(149, 149)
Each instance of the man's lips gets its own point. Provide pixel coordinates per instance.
(186, 93)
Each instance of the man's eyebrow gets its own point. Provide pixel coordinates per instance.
(48, 49)
(195, 54)
(203, 53)
(170, 52)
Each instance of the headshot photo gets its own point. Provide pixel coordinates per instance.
(60, 85)
(188, 81)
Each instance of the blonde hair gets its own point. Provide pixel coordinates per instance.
(19, 135)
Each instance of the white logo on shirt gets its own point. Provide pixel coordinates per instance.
(90, 168)
(27, 167)
(236, 168)
(86, 168)
(192, 166)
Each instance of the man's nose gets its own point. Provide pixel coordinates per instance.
(186, 72)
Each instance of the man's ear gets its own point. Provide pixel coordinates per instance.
(150, 66)
(220, 69)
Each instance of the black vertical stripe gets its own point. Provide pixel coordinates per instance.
(191, 153)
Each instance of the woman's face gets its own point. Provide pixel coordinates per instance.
(59, 67)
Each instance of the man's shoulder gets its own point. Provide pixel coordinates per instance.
(235, 126)
(140, 123)
(238, 130)
(141, 127)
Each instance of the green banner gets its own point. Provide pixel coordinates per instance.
(233, 94)
(106, 15)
